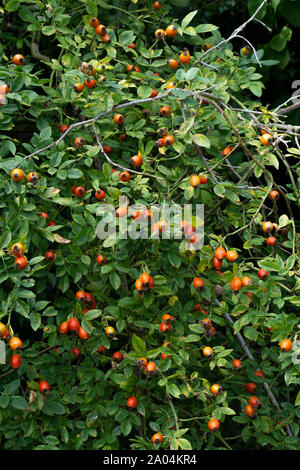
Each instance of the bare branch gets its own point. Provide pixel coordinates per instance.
(236, 31)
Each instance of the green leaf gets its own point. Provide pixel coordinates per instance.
(250, 333)
(35, 320)
(227, 411)
(183, 443)
(5, 239)
(48, 30)
(12, 5)
(219, 190)
(201, 140)
(144, 91)
(206, 28)
(92, 314)
(126, 427)
(190, 31)
(175, 260)
(191, 73)
(138, 344)
(115, 280)
(74, 173)
(283, 221)
(4, 401)
(173, 390)
(188, 18)
(53, 408)
(126, 37)
(18, 402)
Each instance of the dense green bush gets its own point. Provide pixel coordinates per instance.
(215, 103)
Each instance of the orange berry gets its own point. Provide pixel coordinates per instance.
(101, 260)
(73, 324)
(100, 30)
(164, 110)
(172, 63)
(216, 389)
(32, 177)
(121, 211)
(171, 31)
(259, 373)
(138, 285)
(254, 401)
(250, 411)
(237, 364)
(4, 89)
(271, 241)
(185, 56)
(119, 119)
(63, 128)
(118, 356)
(157, 5)
(231, 255)
(136, 160)
(246, 50)
(251, 387)
(90, 83)
(154, 93)
(165, 327)
(15, 343)
(79, 142)
(198, 282)
(157, 438)
(274, 195)
(151, 367)
(18, 59)
(132, 403)
(262, 274)
(227, 150)
(79, 191)
(106, 38)
(110, 331)
(64, 327)
(99, 194)
(168, 140)
(268, 227)
(213, 425)
(167, 318)
(20, 262)
(17, 249)
(17, 174)
(78, 87)
(170, 85)
(44, 386)
(236, 284)
(194, 181)
(94, 22)
(286, 345)
(159, 33)
(15, 361)
(220, 253)
(50, 256)
(266, 139)
(141, 362)
(207, 351)
(124, 176)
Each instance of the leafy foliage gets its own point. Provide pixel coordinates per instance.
(215, 103)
